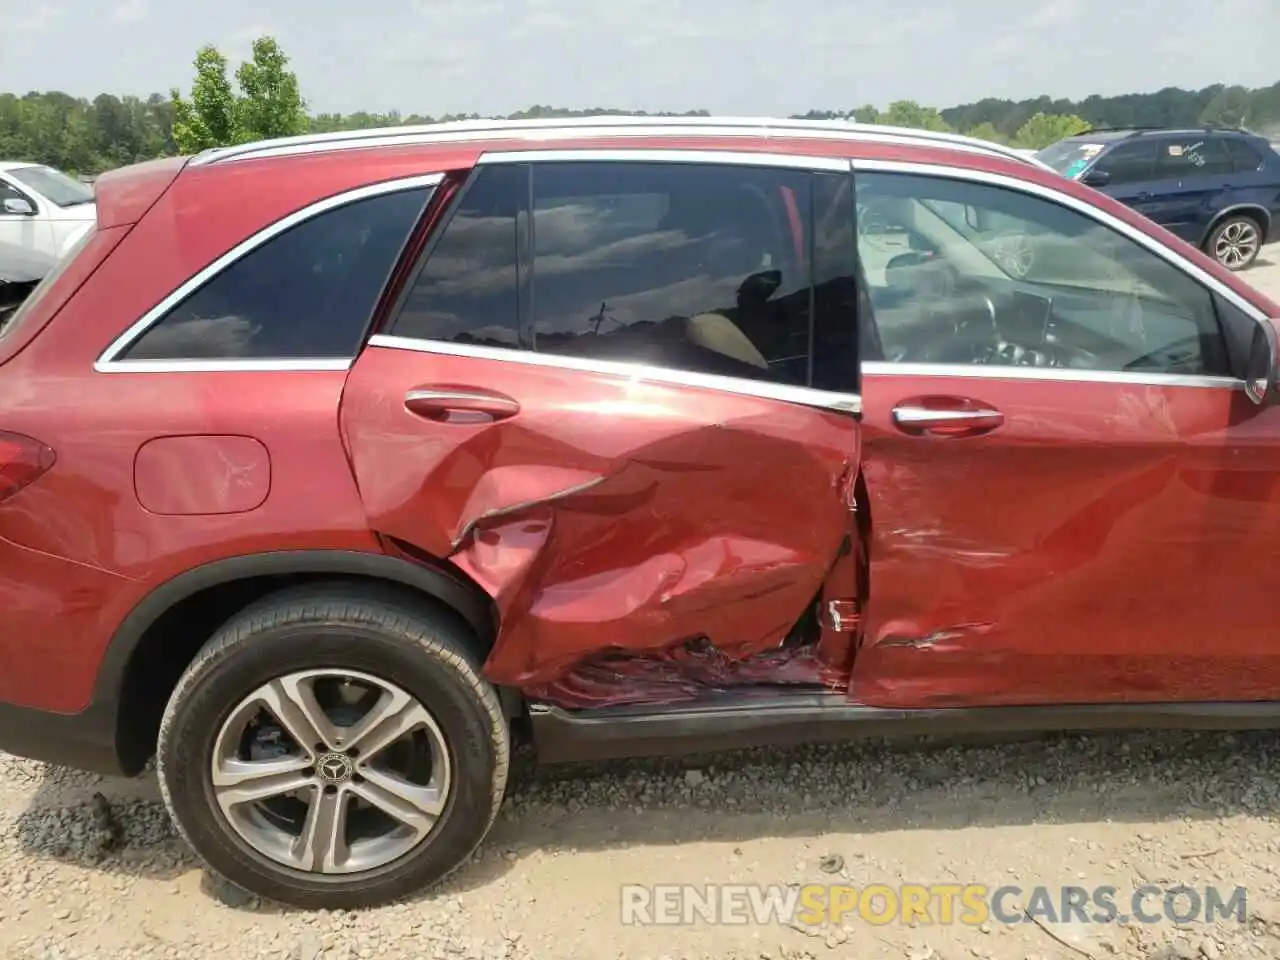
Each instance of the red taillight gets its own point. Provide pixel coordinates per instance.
(22, 459)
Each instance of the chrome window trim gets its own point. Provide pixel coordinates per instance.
(729, 158)
(224, 366)
(107, 362)
(760, 389)
(887, 368)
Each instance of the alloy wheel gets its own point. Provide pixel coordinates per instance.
(331, 772)
(1237, 244)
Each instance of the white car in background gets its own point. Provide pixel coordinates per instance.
(43, 209)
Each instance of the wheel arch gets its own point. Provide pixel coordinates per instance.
(1253, 210)
(138, 662)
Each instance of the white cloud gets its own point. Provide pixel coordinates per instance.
(34, 20)
(239, 46)
(131, 11)
(1056, 13)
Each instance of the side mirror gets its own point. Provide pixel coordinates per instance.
(1260, 377)
(1096, 178)
(19, 206)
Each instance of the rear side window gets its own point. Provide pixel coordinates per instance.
(693, 266)
(306, 293)
(1244, 158)
(466, 291)
(740, 271)
(1193, 155)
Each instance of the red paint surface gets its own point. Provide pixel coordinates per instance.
(1104, 543)
(202, 475)
(123, 196)
(611, 513)
(1108, 542)
(77, 549)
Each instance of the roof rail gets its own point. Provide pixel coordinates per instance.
(1136, 130)
(1125, 129)
(547, 128)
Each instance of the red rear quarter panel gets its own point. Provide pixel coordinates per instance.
(80, 550)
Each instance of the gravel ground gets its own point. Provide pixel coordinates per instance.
(1265, 272)
(92, 868)
(90, 877)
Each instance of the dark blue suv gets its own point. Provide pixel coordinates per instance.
(1216, 188)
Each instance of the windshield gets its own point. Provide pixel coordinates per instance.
(54, 185)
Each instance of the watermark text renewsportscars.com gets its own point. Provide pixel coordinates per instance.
(971, 904)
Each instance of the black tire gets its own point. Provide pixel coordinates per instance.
(425, 651)
(1239, 253)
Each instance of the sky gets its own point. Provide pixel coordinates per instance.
(754, 57)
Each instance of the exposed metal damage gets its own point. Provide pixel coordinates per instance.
(631, 547)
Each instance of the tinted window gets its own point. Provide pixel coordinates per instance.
(1129, 162)
(839, 298)
(467, 291)
(1193, 155)
(305, 294)
(1244, 158)
(694, 266)
(976, 274)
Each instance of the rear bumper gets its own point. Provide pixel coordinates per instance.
(85, 741)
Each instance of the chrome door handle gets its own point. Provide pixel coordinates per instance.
(926, 415)
(917, 420)
(460, 405)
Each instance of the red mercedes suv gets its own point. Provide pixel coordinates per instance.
(330, 465)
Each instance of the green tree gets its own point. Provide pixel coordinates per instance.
(987, 131)
(208, 119)
(270, 104)
(90, 135)
(1046, 128)
(1230, 108)
(908, 113)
